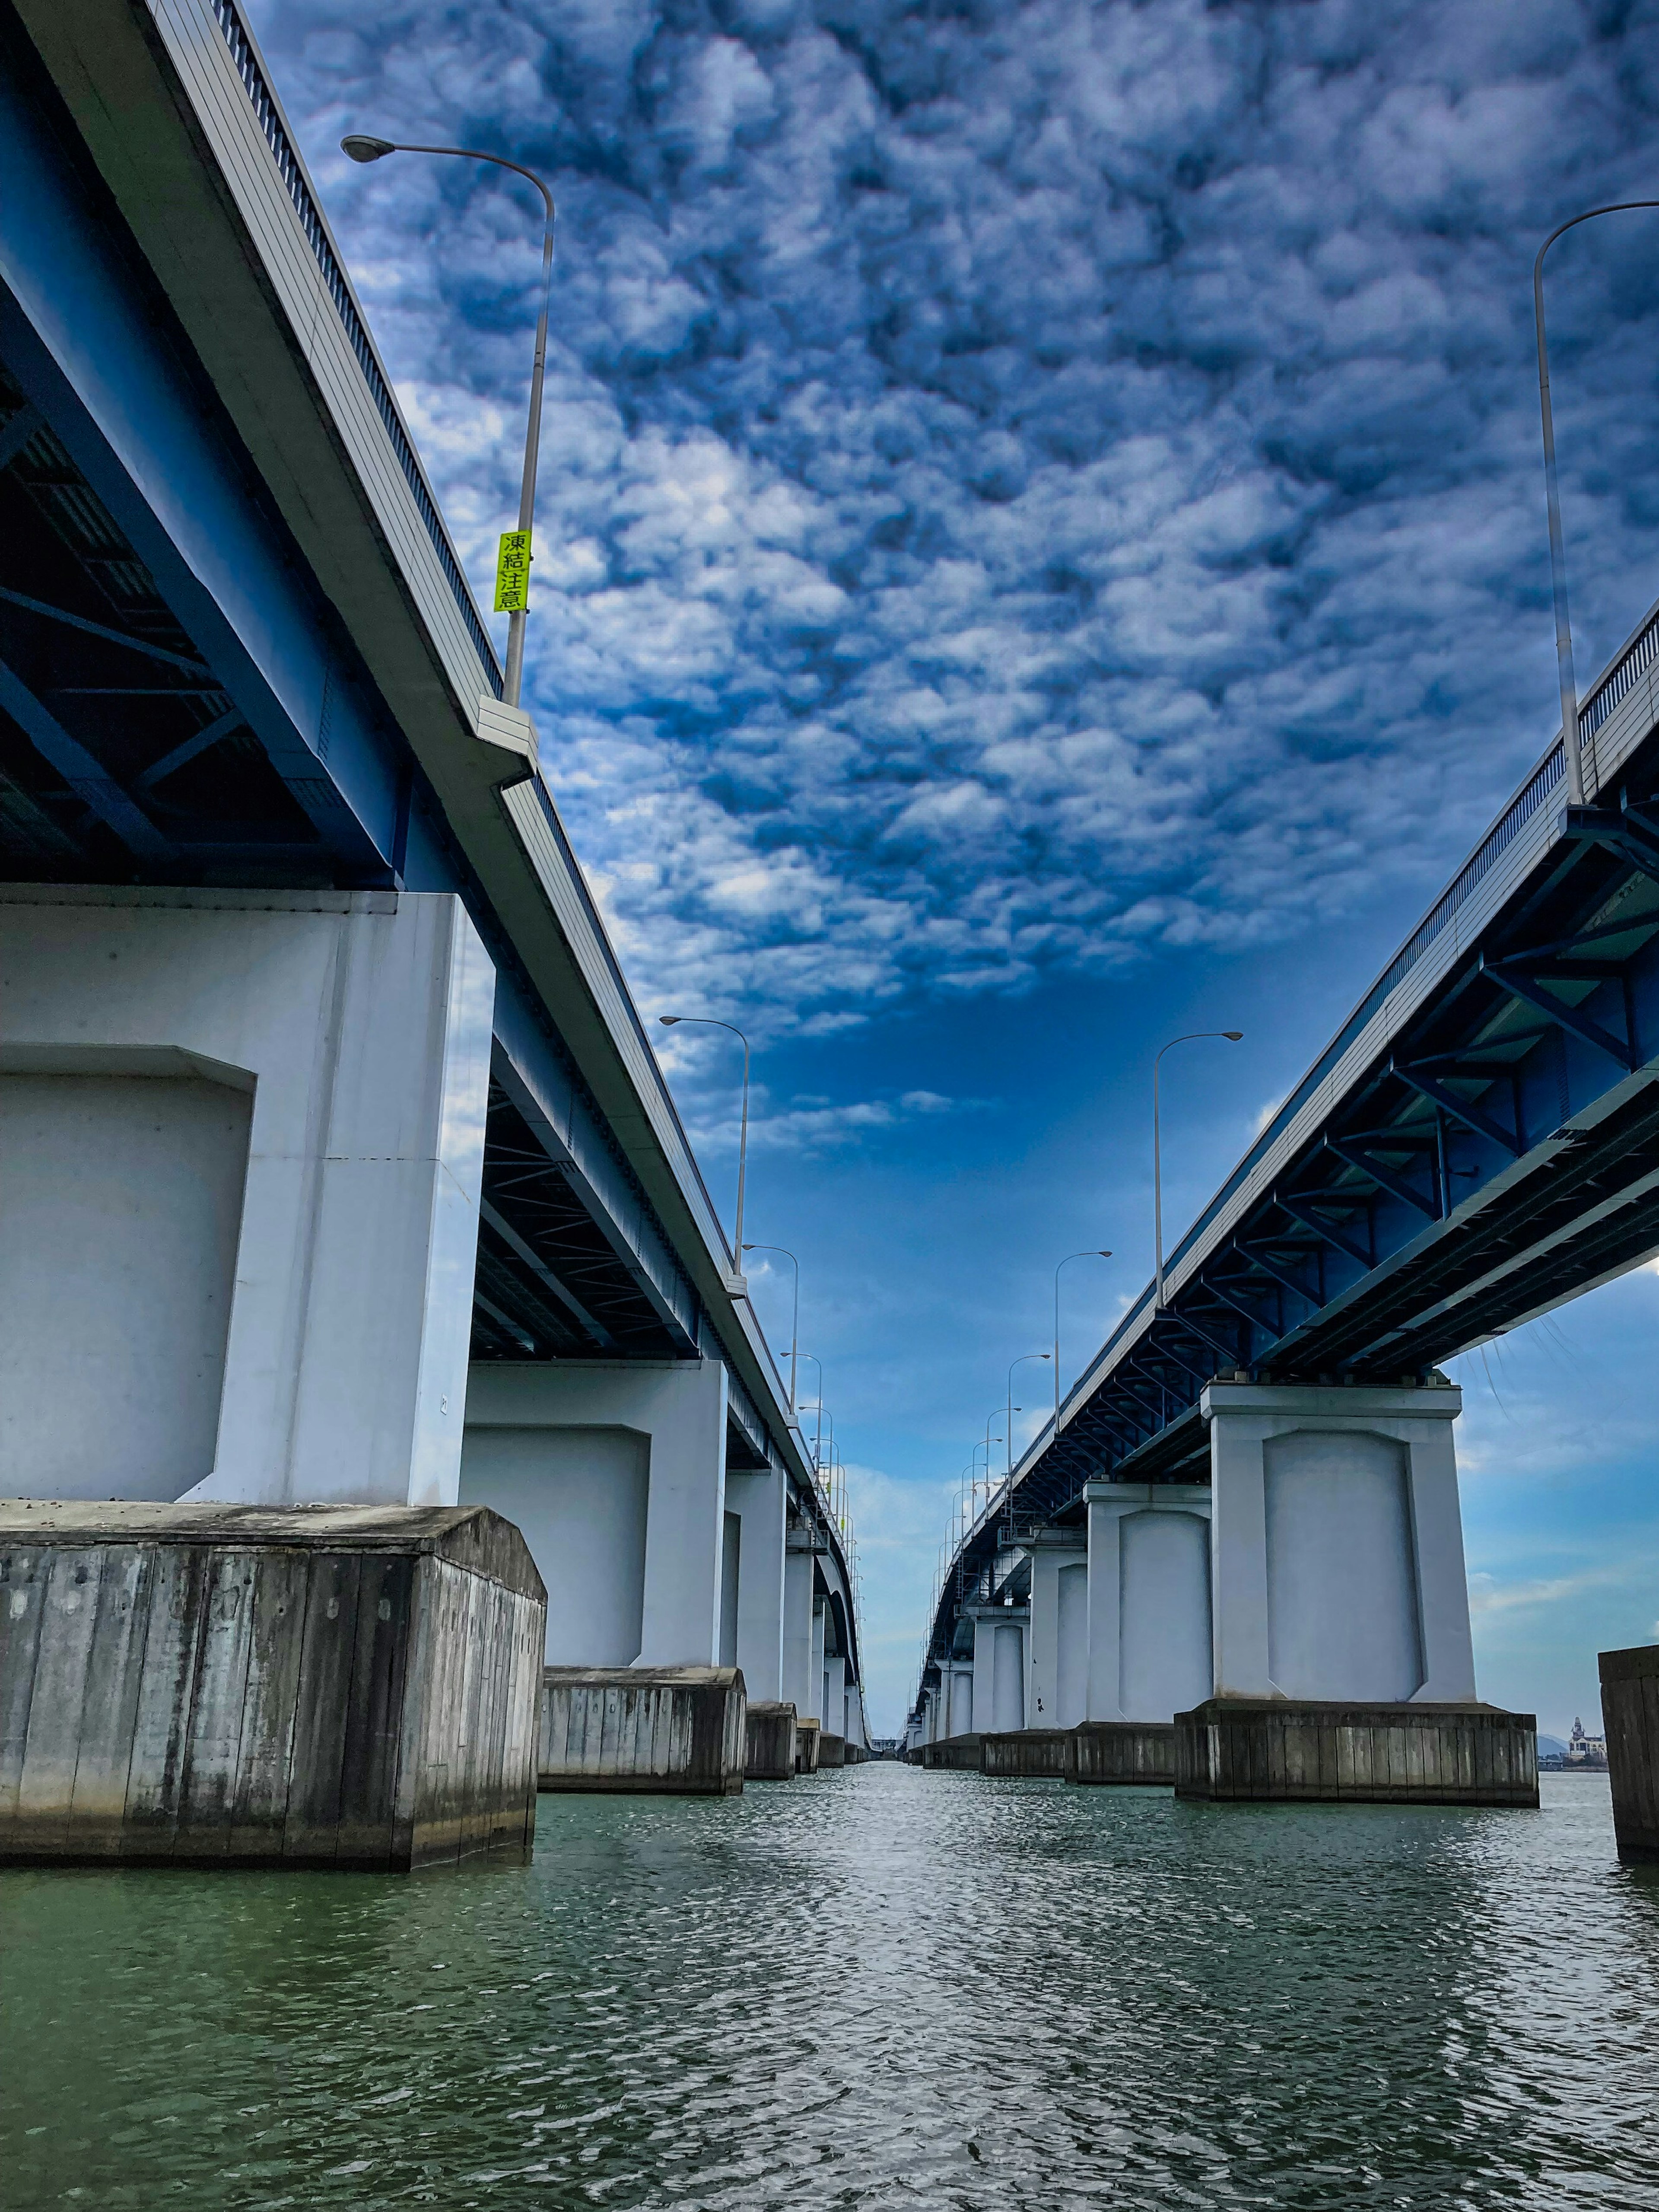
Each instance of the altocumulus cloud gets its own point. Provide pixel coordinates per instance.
(1023, 484)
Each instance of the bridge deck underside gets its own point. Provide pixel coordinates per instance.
(124, 760)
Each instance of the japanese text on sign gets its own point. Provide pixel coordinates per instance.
(513, 572)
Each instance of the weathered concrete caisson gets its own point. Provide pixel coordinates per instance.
(329, 1685)
(1129, 1752)
(1029, 1754)
(1630, 1714)
(1300, 1752)
(678, 1730)
(770, 1753)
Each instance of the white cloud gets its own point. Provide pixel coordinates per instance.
(1021, 491)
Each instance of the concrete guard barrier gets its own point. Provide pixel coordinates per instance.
(770, 1755)
(1027, 1754)
(1630, 1714)
(350, 1686)
(807, 1732)
(680, 1730)
(1123, 1752)
(951, 1754)
(832, 1751)
(1289, 1751)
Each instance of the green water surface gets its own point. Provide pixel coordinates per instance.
(873, 1988)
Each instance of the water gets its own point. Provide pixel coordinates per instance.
(875, 1987)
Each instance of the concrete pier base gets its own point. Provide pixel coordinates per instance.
(832, 1751)
(1029, 1754)
(807, 1732)
(678, 1730)
(953, 1754)
(1286, 1751)
(770, 1755)
(350, 1686)
(1630, 1714)
(1125, 1751)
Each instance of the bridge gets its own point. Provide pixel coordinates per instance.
(340, 1171)
(1478, 1143)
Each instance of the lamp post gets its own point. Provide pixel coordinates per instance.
(1012, 1408)
(794, 1319)
(712, 1021)
(1564, 677)
(818, 1434)
(363, 149)
(1191, 1037)
(1101, 1253)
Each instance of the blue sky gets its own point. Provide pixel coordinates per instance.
(1041, 546)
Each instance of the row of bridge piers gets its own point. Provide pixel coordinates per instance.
(296, 1564)
(1297, 1626)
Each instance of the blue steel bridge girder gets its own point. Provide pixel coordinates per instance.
(1530, 983)
(116, 401)
(1473, 1116)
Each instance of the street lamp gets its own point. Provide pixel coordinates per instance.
(1564, 677)
(363, 149)
(712, 1021)
(1012, 1408)
(818, 1436)
(1100, 1254)
(795, 1322)
(1191, 1037)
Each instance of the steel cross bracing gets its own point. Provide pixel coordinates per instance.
(1498, 1156)
(122, 755)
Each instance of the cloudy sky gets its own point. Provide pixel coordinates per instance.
(1040, 546)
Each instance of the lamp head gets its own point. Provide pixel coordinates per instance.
(1232, 1036)
(1105, 1256)
(668, 1020)
(363, 148)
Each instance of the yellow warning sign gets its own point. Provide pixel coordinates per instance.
(513, 572)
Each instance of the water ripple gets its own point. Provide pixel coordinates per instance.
(880, 1988)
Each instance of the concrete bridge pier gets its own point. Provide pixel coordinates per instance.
(1000, 1637)
(1343, 1665)
(243, 1137)
(802, 1624)
(244, 1141)
(1149, 1629)
(1057, 1647)
(615, 1473)
(956, 1680)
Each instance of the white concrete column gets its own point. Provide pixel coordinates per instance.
(1337, 1544)
(760, 1500)
(817, 1710)
(798, 1576)
(999, 1632)
(960, 1678)
(243, 1137)
(545, 1442)
(1148, 1600)
(835, 1693)
(1055, 1553)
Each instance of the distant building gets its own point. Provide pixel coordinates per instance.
(1584, 1750)
(1583, 1753)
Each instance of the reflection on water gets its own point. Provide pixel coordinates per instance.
(873, 1988)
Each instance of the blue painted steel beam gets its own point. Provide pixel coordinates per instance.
(88, 779)
(80, 338)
